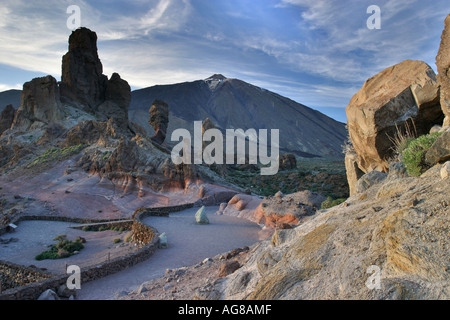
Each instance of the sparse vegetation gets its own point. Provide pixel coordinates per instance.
(53, 154)
(63, 249)
(330, 203)
(324, 176)
(413, 155)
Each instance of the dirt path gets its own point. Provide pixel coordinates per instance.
(188, 244)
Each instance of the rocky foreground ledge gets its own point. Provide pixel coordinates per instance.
(398, 226)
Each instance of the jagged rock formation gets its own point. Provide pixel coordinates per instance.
(117, 101)
(159, 120)
(219, 168)
(443, 67)
(40, 104)
(404, 93)
(82, 81)
(7, 118)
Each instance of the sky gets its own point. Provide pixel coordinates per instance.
(316, 52)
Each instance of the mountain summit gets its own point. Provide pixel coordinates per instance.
(233, 104)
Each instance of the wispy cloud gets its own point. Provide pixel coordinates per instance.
(316, 52)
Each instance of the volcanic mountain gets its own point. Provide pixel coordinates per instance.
(10, 97)
(235, 104)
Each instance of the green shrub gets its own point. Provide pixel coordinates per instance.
(63, 249)
(330, 202)
(117, 240)
(413, 156)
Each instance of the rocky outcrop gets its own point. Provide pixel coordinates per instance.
(40, 104)
(352, 170)
(443, 67)
(284, 211)
(221, 169)
(117, 101)
(82, 81)
(404, 93)
(159, 120)
(334, 254)
(7, 118)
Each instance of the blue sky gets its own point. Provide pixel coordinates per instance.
(316, 52)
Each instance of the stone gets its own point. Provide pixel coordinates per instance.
(142, 288)
(445, 170)
(48, 295)
(443, 68)
(163, 241)
(439, 151)
(7, 118)
(385, 105)
(370, 179)
(353, 171)
(200, 216)
(397, 170)
(436, 128)
(65, 292)
(227, 268)
(40, 102)
(287, 162)
(159, 120)
(83, 83)
(120, 294)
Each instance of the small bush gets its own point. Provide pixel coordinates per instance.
(117, 240)
(63, 249)
(330, 202)
(413, 156)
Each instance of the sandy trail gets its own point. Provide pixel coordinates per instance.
(189, 244)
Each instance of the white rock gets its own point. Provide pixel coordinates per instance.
(445, 170)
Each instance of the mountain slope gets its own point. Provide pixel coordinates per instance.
(10, 97)
(233, 104)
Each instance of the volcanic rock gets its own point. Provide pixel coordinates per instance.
(40, 102)
(159, 120)
(439, 151)
(443, 67)
(83, 84)
(7, 118)
(388, 101)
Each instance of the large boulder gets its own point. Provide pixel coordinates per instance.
(401, 95)
(40, 102)
(7, 118)
(201, 217)
(83, 84)
(443, 67)
(439, 151)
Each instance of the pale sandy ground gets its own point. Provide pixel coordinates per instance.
(34, 237)
(189, 244)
